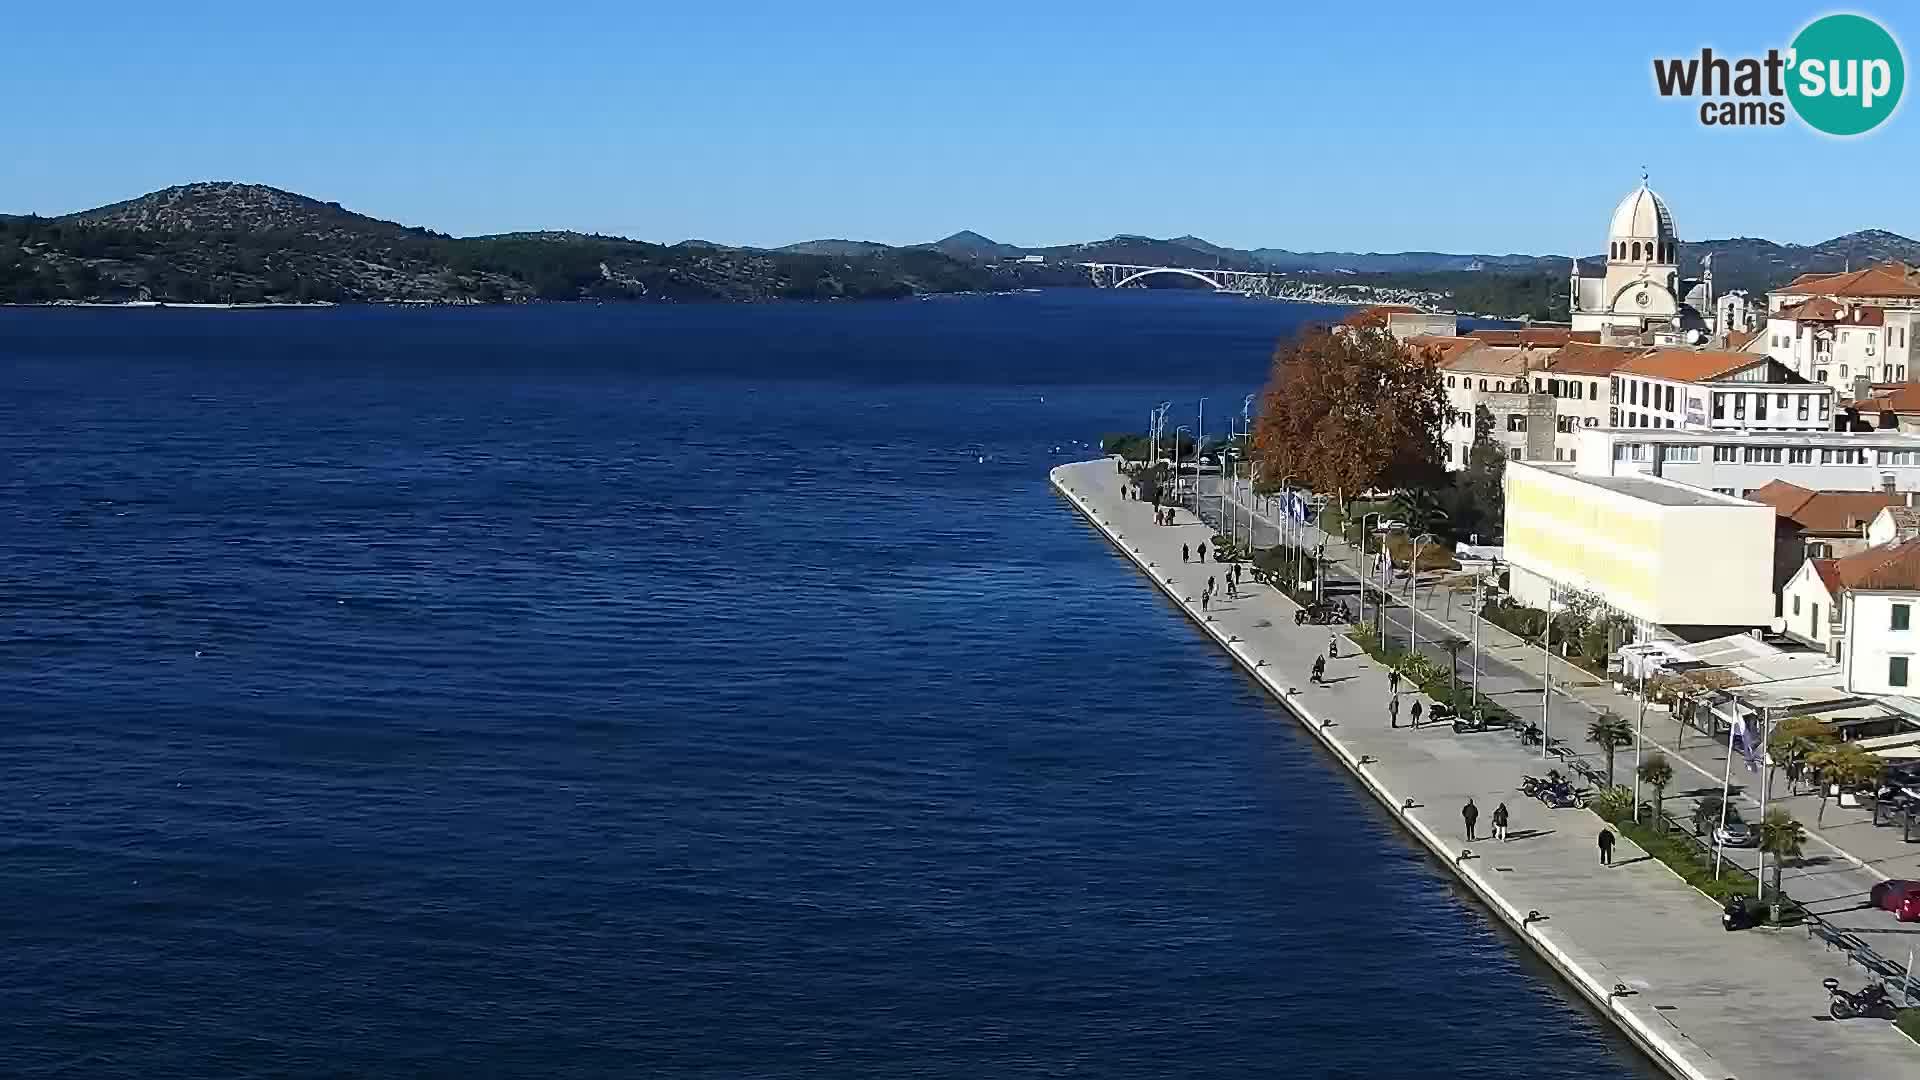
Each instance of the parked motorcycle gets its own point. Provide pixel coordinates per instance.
(1870, 1000)
(1737, 914)
(1530, 735)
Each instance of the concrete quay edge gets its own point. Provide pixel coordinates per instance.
(1672, 1051)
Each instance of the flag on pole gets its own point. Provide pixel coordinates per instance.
(1745, 742)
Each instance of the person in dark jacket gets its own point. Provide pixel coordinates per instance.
(1203, 553)
(1606, 847)
(1500, 822)
(1319, 669)
(1413, 714)
(1184, 553)
(1471, 815)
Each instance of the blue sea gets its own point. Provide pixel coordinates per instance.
(688, 692)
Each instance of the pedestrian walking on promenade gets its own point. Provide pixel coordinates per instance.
(1205, 600)
(1393, 709)
(1606, 847)
(1500, 822)
(1212, 585)
(1333, 646)
(1319, 669)
(1414, 713)
(1393, 680)
(1471, 815)
(1203, 553)
(1184, 553)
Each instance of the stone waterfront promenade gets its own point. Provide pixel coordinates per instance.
(1643, 947)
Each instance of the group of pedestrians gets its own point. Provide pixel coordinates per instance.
(1186, 553)
(1471, 815)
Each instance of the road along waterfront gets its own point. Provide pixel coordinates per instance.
(1639, 944)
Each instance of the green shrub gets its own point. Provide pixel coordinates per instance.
(1614, 803)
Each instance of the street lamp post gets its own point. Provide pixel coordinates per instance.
(1366, 572)
(1546, 677)
(1413, 590)
(1176, 470)
(1199, 444)
(1479, 577)
(1287, 529)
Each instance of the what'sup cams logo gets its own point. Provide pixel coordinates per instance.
(1842, 75)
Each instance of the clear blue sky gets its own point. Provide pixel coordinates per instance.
(1369, 126)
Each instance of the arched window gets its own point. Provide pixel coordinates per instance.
(1449, 382)
(1636, 251)
(1483, 384)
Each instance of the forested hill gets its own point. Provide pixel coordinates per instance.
(237, 243)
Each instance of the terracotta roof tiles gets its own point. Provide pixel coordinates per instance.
(1881, 279)
(1583, 358)
(1830, 512)
(1689, 365)
(1889, 566)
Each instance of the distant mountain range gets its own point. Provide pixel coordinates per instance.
(1739, 263)
(233, 242)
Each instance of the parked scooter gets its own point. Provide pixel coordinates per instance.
(1738, 914)
(1869, 1000)
(1530, 735)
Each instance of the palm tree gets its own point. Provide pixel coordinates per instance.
(1843, 765)
(1656, 772)
(1420, 509)
(1792, 740)
(1781, 837)
(1706, 813)
(1609, 732)
(1453, 647)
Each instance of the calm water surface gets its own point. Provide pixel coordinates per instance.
(687, 692)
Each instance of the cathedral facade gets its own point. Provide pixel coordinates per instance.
(1641, 294)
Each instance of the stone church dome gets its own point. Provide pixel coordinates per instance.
(1643, 215)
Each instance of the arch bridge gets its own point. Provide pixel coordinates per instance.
(1244, 282)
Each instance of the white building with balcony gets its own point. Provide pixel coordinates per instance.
(1840, 328)
(1709, 390)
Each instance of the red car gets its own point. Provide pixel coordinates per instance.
(1900, 897)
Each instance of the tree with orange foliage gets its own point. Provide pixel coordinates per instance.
(1351, 410)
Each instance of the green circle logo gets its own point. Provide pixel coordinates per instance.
(1847, 74)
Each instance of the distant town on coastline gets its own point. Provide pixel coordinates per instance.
(234, 243)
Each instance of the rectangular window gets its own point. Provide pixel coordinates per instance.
(1759, 406)
(1896, 670)
(1796, 605)
(1719, 406)
(1739, 406)
(1843, 371)
(1800, 455)
(1619, 451)
(1633, 392)
(1681, 453)
(1902, 616)
(1726, 453)
(1724, 491)
(1669, 397)
(1595, 387)
(1513, 452)
(1825, 404)
(1805, 405)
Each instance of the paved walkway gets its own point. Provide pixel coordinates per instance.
(1636, 941)
(1846, 853)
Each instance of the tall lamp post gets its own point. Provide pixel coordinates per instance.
(1366, 572)
(1546, 676)
(1287, 529)
(1413, 594)
(1199, 444)
(1176, 470)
